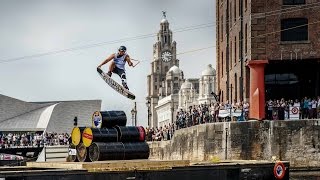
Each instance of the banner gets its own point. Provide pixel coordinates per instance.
(294, 112)
(226, 113)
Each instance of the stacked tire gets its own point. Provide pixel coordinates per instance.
(109, 139)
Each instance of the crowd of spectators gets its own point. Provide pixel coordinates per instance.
(309, 108)
(161, 133)
(210, 113)
(32, 139)
(197, 114)
(277, 109)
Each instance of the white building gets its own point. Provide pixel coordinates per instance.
(207, 85)
(168, 96)
(172, 83)
(177, 93)
(166, 109)
(187, 95)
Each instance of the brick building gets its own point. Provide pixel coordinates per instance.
(280, 37)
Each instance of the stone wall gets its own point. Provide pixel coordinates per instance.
(296, 141)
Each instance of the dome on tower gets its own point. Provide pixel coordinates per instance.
(186, 85)
(164, 21)
(164, 18)
(175, 70)
(209, 71)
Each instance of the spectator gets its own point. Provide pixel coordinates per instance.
(13, 140)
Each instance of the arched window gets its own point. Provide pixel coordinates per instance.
(235, 86)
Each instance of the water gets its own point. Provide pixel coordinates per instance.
(305, 175)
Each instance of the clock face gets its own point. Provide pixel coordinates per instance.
(166, 56)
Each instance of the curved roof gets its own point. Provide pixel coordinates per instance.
(11, 107)
(175, 70)
(52, 116)
(186, 85)
(164, 21)
(209, 71)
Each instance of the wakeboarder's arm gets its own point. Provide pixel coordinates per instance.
(129, 60)
(107, 60)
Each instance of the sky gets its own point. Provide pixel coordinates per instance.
(49, 50)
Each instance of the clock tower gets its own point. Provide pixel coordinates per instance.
(164, 57)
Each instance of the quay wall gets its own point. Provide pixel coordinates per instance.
(296, 141)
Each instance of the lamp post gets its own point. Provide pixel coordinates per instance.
(134, 114)
(132, 117)
(148, 105)
(172, 111)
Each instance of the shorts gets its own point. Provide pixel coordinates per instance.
(119, 71)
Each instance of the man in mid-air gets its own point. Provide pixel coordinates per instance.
(118, 64)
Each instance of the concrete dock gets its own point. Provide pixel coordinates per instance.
(145, 169)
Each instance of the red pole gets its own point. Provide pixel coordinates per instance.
(257, 89)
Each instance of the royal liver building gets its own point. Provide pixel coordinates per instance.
(164, 57)
(167, 88)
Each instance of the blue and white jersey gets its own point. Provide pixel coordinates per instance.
(120, 62)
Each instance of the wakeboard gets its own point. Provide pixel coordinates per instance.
(114, 85)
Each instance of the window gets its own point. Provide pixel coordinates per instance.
(195, 86)
(227, 20)
(245, 4)
(230, 55)
(235, 86)
(294, 29)
(240, 45)
(230, 14)
(293, 2)
(221, 96)
(246, 39)
(222, 67)
(240, 86)
(235, 10)
(281, 79)
(240, 6)
(235, 50)
(221, 26)
(166, 69)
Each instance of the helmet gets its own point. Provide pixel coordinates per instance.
(122, 48)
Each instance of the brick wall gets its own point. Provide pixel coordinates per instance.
(261, 27)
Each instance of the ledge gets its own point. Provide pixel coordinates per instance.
(294, 42)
